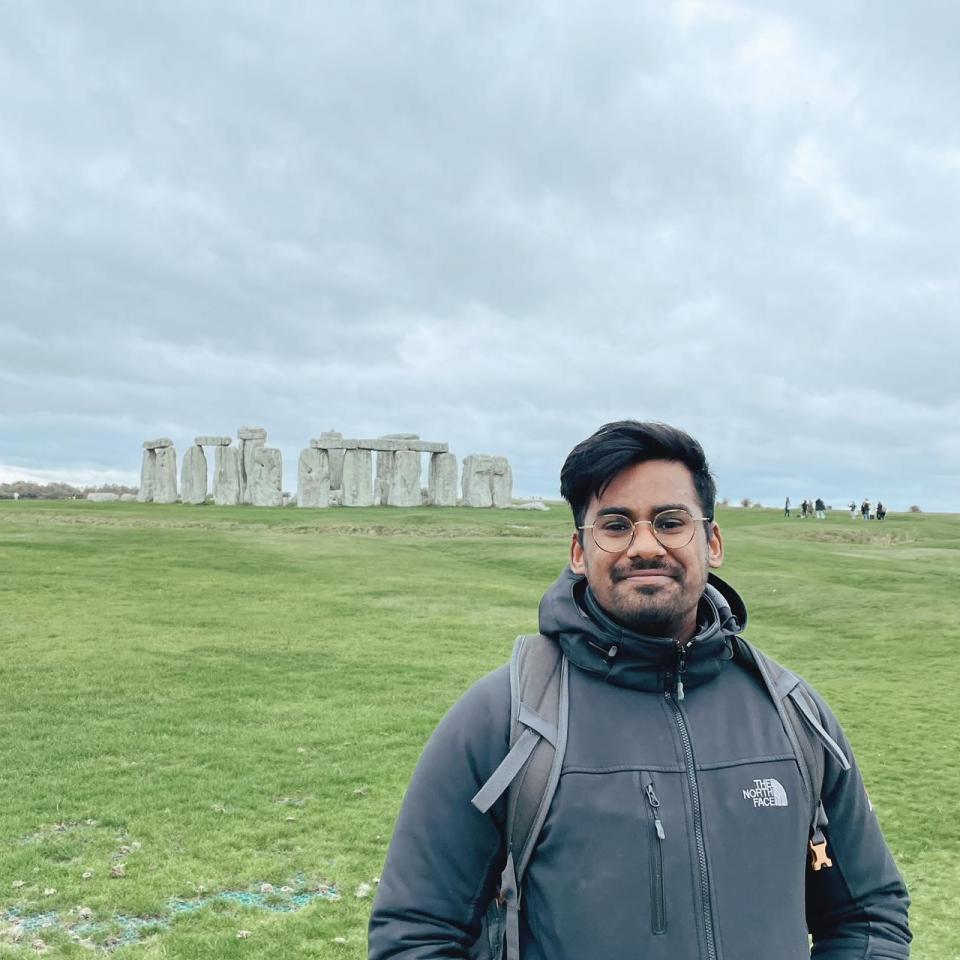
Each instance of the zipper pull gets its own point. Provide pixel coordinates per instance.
(681, 664)
(654, 802)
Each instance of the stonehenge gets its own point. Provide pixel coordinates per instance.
(265, 484)
(502, 482)
(442, 481)
(250, 439)
(158, 472)
(478, 480)
(487, 481)
(226, 476)
(357, 489)
(148, 468)
(313, 478)
(332, 469)
(193, 475)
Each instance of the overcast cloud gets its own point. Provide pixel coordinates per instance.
(494, 224)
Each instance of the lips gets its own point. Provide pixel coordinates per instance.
(643, 573)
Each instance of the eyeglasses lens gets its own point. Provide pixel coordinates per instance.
(673, 528)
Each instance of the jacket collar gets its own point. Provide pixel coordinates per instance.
(596, 643)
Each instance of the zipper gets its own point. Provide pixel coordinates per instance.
(658, 911)
(707, 911)
(681, 666)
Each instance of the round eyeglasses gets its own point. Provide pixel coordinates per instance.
(614, 533)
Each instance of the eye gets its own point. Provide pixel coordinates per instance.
(671, 522)
(614, 525)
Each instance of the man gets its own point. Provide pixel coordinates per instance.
(680, 823)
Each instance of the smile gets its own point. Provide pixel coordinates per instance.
(646, 576)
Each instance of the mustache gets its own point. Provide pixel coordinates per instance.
(621, 573)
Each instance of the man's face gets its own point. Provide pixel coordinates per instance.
(647, 587)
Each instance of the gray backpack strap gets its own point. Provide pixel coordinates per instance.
(530, 772)
(808, 738)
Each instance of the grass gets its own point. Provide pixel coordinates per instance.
(219, 698)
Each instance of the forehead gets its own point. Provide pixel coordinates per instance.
(646, 487)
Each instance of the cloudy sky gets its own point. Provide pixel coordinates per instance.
(494, 224)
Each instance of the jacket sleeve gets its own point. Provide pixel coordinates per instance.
(856, 909)
(445, 857)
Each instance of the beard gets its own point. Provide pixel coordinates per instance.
(655, 610)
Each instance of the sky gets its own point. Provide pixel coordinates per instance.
(497, 225)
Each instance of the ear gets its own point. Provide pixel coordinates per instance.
(576, 556)
(714, 546)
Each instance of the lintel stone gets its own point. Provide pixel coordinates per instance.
(332, 443)
(157, 444)
(381, 445)
(252, 433)
(213, 441)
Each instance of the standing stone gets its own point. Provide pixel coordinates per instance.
(386, 466)
(384, 476)
(442, 480)
(266, 480)
(502, 483)
(251, 439)
(193, 476)
(357, 478)
(226, 477)
(313, 478)
(478, 480)
(335, 456)
(148, 476)
(404, 490)
(165, 478)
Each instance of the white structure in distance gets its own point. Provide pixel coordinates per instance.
(331, 470)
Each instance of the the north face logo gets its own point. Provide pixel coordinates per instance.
(766, 793)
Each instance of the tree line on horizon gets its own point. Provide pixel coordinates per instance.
(30, 490)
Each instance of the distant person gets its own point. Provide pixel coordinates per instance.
(821, 509)
(853, 509)
(881, 510)
(786, 507)
(665, 796)
(16, 496)
(865, 509)
(804, 507)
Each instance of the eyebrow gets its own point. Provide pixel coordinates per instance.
(659, 508)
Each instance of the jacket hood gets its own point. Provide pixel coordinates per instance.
(599, 645)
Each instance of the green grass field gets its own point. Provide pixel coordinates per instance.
(221, 698)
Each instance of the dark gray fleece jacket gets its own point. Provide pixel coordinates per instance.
(679, 828)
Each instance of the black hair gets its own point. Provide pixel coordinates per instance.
(593, 463)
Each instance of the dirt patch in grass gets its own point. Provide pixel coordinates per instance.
(858, 535)
(443, 532)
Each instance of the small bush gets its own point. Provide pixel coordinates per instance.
(746, 502)
(915, 509)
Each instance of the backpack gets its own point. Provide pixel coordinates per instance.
(530, 772)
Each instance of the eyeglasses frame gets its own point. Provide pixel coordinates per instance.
(636, 523)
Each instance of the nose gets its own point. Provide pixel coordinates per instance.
(645, 544)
